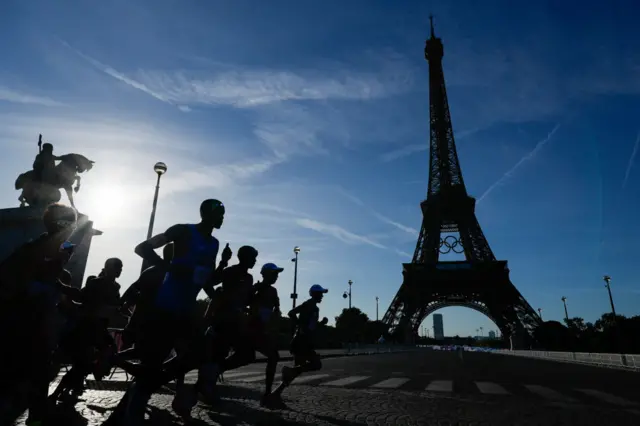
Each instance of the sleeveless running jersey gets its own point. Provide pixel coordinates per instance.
(189, 273)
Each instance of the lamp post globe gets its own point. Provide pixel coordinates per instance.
(160, 168)
(296, 249)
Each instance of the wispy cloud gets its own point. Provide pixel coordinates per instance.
(631, 160)
(251, 88)
(404, 151)
(259, 87)
(290, 130)
(403, 253)
(523, 160)
(218, 176)
(377, 215)
(337, 232)
(412, 149)
(407, 229)
(9, 95)
(103, 138)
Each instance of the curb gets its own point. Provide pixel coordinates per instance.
(290, 358)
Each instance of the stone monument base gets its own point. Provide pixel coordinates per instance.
(19, 225)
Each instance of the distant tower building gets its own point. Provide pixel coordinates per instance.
(492, 334)
(438, 327)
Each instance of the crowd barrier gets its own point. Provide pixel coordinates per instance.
(622, 361)
(376, 348)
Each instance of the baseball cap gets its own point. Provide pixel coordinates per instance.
(271, 267)
(317, 288)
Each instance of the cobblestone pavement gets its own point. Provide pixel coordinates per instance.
(309, 405)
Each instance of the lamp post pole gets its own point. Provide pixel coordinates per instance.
(294, 295)
(160, 168)
(348, 294)
(607, 280)
(377, 309)
(566, 314)
(540, 313)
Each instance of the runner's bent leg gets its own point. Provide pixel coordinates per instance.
(267, 346)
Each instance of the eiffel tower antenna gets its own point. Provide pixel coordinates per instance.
(479, 282)
(433, 35)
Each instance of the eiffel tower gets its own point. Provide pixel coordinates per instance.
(480, 282)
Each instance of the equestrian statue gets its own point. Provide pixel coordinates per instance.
(41, 186)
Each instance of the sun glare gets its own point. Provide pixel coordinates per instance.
(105, 205)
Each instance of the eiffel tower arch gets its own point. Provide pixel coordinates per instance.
(479, 282)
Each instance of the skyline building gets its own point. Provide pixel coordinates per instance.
(438, 327)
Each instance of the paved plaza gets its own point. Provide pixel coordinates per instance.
(439, 389)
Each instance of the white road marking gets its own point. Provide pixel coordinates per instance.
(310, 378)
(440, 386)
(550, 394)
(240, 374)
(346, 381)
(392, 383)
(607, 397)
(258, 378)
(491, 388)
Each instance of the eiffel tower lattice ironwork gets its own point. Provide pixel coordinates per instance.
(479, 282)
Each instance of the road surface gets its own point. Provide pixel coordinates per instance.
(411, 388)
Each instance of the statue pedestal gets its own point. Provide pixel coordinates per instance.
(19, 225)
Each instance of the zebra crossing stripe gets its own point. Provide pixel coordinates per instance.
(549, 394)
(312, 377)
(606, 397)
(491, 388)
(394, 382)
(240, 374)
(346, 381)
(440, 386)
(260, 377)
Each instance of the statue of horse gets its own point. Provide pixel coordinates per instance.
(63, 176)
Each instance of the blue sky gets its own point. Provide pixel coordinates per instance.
(310, 121)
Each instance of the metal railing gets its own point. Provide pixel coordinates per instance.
(622, 361)
(377, 348)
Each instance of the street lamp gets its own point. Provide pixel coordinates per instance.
(348, 294)
(294, 295)
(566, 314)
(481, 330)
(607, 280)
(160, 168)
(540, 313)
(377, 308)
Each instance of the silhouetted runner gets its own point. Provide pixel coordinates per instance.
(305, 319)
(171, 318)
(229, 323)
(141, 295)
(89, 329)
(264, 315)
(30, 293)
